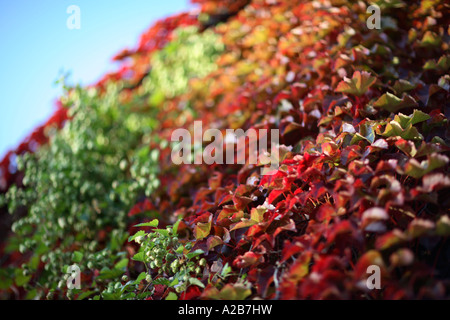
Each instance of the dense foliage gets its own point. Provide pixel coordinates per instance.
(364, 179)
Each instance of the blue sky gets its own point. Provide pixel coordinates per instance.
(36, 46)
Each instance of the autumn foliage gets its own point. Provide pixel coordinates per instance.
(364, 143)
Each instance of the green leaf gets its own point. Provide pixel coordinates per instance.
(77, 257)
(141, 277)
(392, 103)
(163, 232)
(163, 281)
(107, 273)
(121, 264)
(418, 116)
(394, 129)
(356, 138)
(175, 227)
(111, 296)
(402, 86)
(244, 224)
(367, 132)
(140, 233)
(430, 39)
(86, 294)
(31, 295)
(20, 278)
(195, 253)
(444, 62)
(154, 223)
(174, 282)
(180, 249)
(172, 296)
(202, 230)
(196, 282)
(358, 85)
(5, 283)
(407, 121)
(226, 270)
(140, 256)
(426, 149)
(417, 170)
(257, 214)
(237, 291)
(430, 65)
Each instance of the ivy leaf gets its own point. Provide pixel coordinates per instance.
(180, 249)
(429, 148)
(175, 226)
(417, 170)
(257, 214)
(367, 132)
(348, 128)
(162, 281)
(244, 224)
(234, 292)
(380, 143)
(174, 282)
(391, 239)
(402, 86)
(139, 257)
(196, 282)
(140, 233)
(154, 223)
(121, 264)
(141, 277)
(20, 278)
(357, 138)
(300, 268)
(407, 147)
(77, 256)
(107, 273)
(430, 39)
(213, 241)
(394, 129)
(195, 253)
(226, 270)
(407, 121)
(163, 232)
(202, 230)
(358, 85)
(392, 103)
(172, 296)
(86, 294)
